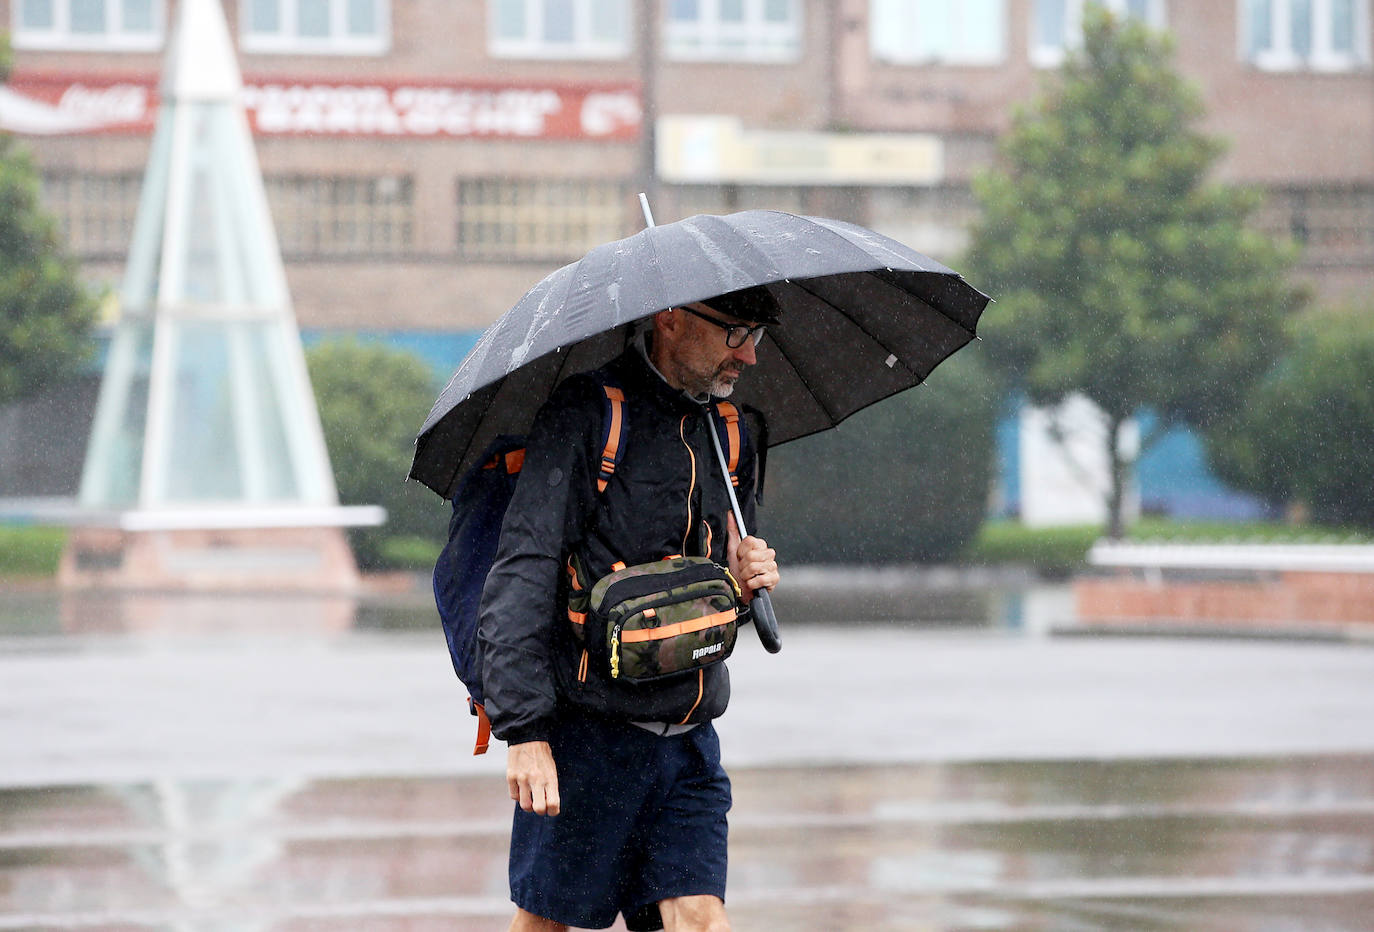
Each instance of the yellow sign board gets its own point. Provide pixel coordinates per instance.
(714, 149)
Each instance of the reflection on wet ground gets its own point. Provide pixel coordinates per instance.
(170, 704)
(1240, 846)
(927, 597)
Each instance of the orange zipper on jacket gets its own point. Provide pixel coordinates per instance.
(692, 486)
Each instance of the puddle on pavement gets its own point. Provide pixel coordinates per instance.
(1235, 845)
(928, 598)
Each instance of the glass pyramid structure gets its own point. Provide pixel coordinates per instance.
(205, 402)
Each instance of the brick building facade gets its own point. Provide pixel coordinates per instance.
(424, 166)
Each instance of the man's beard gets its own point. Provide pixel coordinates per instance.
(714, 383)
(721, 386)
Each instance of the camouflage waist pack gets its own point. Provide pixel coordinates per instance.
(671, 616)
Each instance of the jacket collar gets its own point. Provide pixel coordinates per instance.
(637, 369)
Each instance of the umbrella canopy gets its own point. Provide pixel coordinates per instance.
(862, 317)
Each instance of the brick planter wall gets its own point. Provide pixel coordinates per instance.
(1260, 586)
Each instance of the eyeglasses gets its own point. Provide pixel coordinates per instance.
(735, 334)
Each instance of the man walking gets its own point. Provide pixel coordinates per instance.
(622, 798)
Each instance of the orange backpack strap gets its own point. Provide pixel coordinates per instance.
(729, 415)
(612, 435)
(483, 728)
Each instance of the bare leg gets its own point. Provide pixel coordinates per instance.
(694, 914)
(529, 922)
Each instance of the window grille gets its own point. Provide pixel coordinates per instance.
(1331, 225)
(88, 25)
(726, 199)
(1057, 25)
(503, 218)
(345, 27)
(1317, 35)
(964, 32)
(342, 216)
(733, 30)
(559, 28)
(94, 213)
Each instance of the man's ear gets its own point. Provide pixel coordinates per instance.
(667, 321)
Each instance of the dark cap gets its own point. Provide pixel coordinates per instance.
(754, 304)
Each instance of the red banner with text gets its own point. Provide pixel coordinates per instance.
(53, 104)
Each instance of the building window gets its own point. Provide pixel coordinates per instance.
(1057, 25)
(327, 27)
(342, 216)
(1334, 226)
(733, 30)
(1317, 35)
(559, 28)
(503, 218)
(88, 25)
(934, 220)
(727, 199)
(94, 213)
(961, 32)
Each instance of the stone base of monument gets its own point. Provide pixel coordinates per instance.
(1254, 588)
(270, 551)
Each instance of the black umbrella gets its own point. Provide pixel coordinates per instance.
(863, 317)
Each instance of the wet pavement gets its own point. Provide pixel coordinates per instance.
(283, 774)
(1237, 845)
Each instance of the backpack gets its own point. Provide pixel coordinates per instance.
(474, 533)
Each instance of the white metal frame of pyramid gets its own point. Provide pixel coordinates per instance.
(206, 416)
(207, 469)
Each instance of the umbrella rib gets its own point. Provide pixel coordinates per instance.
(973, 334)
(873, 273)
(801, 376)
(459, 460)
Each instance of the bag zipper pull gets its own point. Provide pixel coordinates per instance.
(615, 652)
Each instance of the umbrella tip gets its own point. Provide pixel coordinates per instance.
(644, 206)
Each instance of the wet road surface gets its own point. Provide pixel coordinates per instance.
(1236, 845)
(132, 709)
(278, 777)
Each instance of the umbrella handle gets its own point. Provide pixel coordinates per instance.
(761, 607)
(765, 621)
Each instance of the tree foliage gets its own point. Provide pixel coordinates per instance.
(1120, 272)
(371, 399)
(46, 314)
(1307, 433)
(904, 481)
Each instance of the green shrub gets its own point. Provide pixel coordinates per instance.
(903, 481)
(31, 551)
(1307, 435)
(404, 552)
(372, 400)
(1062, 551)
(1247, 532)
(1054, 551)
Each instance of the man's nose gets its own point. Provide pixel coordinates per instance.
(745, 353)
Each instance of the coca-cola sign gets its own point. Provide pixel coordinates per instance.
(40, 104)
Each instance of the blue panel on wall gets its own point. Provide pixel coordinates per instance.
(442, 350)
(1175, 480)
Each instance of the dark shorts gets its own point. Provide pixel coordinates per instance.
(643, 819)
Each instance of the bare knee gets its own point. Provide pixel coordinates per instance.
(694, 914)
(529, 922)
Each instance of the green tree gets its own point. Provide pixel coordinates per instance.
(904, 481)
(1307, 434)
(46, 314)
(1120, 272)
(372, 399)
